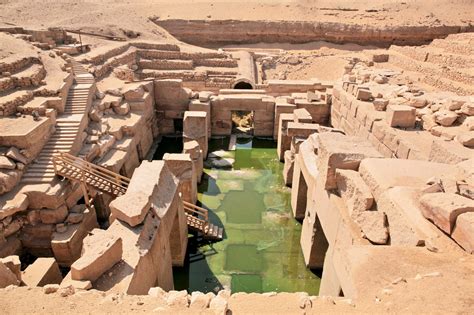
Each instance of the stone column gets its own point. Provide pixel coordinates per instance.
(299, 191)
(194, 150)
(195, 128)
(181, 165)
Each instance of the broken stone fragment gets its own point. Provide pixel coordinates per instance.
(6, 163)
(134, 93)
(463, 232)
(177, 298)
(468, 109)
(466, 139)
(443, 208)
(101, 251)
(123, 109)
(50, 288)
(74, 218)
(200, 300)
(7, 277)
(445, 117)
(373, 225)
(354, 191)
(15, 154)
(13, 263)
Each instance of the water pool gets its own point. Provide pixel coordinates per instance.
(261, 247)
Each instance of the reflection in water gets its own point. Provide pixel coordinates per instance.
(261, 250)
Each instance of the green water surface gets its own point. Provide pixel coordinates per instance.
(261, 247)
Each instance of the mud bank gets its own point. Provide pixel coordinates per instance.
(225, 32)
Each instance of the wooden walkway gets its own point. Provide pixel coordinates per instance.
(111, 183)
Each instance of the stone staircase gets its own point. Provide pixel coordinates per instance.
(69, 127)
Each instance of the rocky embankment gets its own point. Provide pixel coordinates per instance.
(227, 32)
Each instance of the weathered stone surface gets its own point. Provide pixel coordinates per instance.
(181, 165)
(354, 191)
(403, 229)
(288, 168)
(374, 226)
(200, 300)
(445, 117)
(177, 298)
(12, 203)
(123, 109)
(443, 209)
(134, 93)
(43, 271)
(53, 216)
(463, 232)
(100, 252)
(466, 139)
(337, 151)
(14, 154)
(218, 305)
(449, 152)
(302, 116)
(7, 277)
(6, 163)
(148, 179)
(382, 174)
(13, 263)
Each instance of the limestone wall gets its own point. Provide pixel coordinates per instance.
(350, 198)
(228, 32)
(401, 121)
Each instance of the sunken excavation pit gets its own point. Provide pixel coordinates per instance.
(209, 179)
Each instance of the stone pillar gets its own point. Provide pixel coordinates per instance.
(202, 106)
(299, 191)
(179, 234)
(195, 128)
(181, 165)
(288, 168)
(284, 141)
(313, 241)
(194, 150)
(330, 284)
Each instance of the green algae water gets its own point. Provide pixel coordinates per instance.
(244, 191)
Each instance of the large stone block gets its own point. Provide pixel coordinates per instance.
(170, 94)
(100, 252)
(149, 179)
(382, 174)
(42, 272)
(449, 152)
(401, 116)
(337, 151)
(443, 208)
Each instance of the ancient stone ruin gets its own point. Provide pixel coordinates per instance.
(198, 171)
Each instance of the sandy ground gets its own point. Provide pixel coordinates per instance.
(109, 16)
